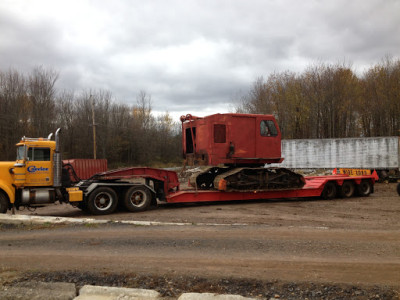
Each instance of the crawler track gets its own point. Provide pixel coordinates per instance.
(247, 179)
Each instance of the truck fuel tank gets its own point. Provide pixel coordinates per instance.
(38, 196)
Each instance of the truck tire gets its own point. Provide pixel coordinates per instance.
(3, 203)
(398, 189)
(347, 189)
(137, 198)
(329, 191)
(364, 189)
(102, 201)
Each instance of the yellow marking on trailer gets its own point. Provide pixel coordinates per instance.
(354, 172)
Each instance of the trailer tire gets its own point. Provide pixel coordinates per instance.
(137, 198)
(364, 189)
(102, 201)
(3, 203)
(398, 189)
(347, 189)
(329, 191)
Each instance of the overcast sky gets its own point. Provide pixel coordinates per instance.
(191, 56)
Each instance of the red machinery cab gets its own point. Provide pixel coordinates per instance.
(231, 139)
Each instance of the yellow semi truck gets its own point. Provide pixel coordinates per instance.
(38, 177)
(35, 177)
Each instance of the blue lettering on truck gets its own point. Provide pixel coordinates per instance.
(34, 169)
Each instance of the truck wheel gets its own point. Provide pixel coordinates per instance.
(137, 198)
(102, 201)
(347, 189)
(3, 203)
(364, 188)
(329, 191)
(398, 189)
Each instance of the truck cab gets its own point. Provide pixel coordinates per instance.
(34, 164)
(35, 177)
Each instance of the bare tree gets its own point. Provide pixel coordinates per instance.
(41, 93)
(14, 111)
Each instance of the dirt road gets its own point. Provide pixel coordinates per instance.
(353, 242)
(310, 254)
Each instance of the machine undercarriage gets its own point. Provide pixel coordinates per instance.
(246, 179)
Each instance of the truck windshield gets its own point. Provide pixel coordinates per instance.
(20, 152)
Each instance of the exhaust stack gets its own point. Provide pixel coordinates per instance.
(57, 170)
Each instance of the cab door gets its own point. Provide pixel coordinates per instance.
(39, 167)
(268, 140)
(242, 133)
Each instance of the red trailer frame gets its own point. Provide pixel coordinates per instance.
(314, 187)
(169, 178)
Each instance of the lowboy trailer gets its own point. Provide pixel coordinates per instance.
(163, 185)
(326, 187)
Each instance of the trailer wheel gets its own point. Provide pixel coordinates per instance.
(329, 191)
(137, 198)
(364, 189)
(398, 189)
(347, 189)
(102, 201)
(3, 203)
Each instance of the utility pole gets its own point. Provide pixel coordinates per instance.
(94, 129)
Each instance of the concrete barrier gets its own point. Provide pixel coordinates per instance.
(91, 292)
(34, 290)
(210, 296)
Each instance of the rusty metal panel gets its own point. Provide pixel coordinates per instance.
(364, 153)
(169, 178)
(231, 139)
(86, 168)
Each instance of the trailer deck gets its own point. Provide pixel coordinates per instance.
(314, 187)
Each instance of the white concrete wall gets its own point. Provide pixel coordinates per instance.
(366, 153)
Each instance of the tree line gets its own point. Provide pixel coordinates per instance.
(126, 134)
(324, 101)
(330, 100)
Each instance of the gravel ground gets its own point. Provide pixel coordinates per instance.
(174, 286)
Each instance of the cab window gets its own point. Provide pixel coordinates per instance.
(219, 133)
(268, 128)
(39, 154)
(21, 152)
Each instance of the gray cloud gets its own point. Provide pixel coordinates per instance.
(191, 56)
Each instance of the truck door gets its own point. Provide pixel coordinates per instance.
(39, 167)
